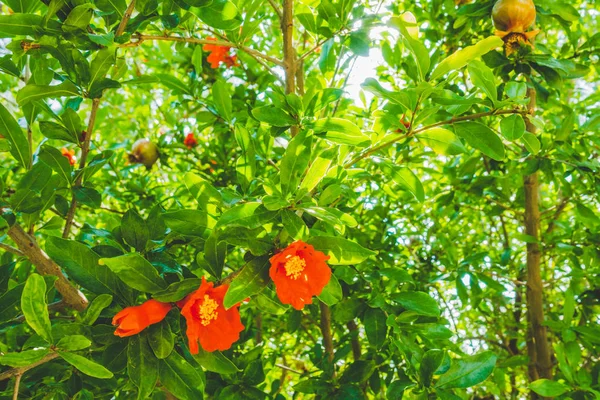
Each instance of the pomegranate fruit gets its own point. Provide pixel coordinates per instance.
(144, 152)
(512, 19)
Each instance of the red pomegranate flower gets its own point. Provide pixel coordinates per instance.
(132, 320)
(190, 141)
(70, 154)
(299, 272)
(208, 321)
(219, 54)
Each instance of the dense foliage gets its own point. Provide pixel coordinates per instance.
(149, 145)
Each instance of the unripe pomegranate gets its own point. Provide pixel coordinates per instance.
(513, 15)
(144, 152)
(512, 18)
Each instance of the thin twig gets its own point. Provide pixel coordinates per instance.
(309, 52)
(17, 384)
(85, 148)
(45, 266)
(11, 249)
(559, 210)
(21, 370)
(276, 8)
(142, 38)
(288, 369)
(125, 19)
(410, 133)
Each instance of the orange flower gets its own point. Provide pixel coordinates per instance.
(208, 321)
(70, 154)
(219, 54)
(132, 320)
(190, 141)
(299, 272)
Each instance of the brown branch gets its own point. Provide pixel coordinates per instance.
(276, 8)
(559, 210)
(538, 346)
(354, 342)
(85, 148)
(289, 53)
(309, 52)
(252, 52)
(21, 370)
(11, 249)
(45, 266)
(125, 19)
(17, 386)
(410, 133)
(325, 324)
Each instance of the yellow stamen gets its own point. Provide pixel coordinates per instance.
(294, 267)
(207, 310)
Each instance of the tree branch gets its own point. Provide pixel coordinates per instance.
(11, 249)
(21, 370)
(325, 324)
(17, 385)
(354, 342)
(125, 19)
(252, 52)
(45, 266)
(410, 133)
(85, 148)
(276, 8)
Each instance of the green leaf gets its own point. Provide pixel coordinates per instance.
(408, 180)
(220, 14)
(55, 160)
(79, 17)
(294, 161)
(318, 169)
(483, 77)
(215, 362)
(273, 115)
(180, 378)
(142, 365)
(359, 371)
(531, 142)
(35, 307)
(294, 225)
(549, 388)
(482, 138)
(177, 291)
(442, 141)
(341, 251)
(10, 303)
(215, 252)
(101, 64)
(23, 358)
(222, 98)
(88, 196)
(86, 366)
(332, 292)
(464, 56)
(375, 326)
(73, 343)
(31, 93)
(19, 24)
(197, 59)
(253, 277)
(249, 215)
(10, 129)
(173, 83)
(341, 131)
(512, 127)
(135, 230)
(189, 222)
(82, 265)
(209, 199)
(161, 339)
(431, 361)
(246, 163)
(468, 371)
(93, 311)
(136, 272)
(52, 130)
(418, 302)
